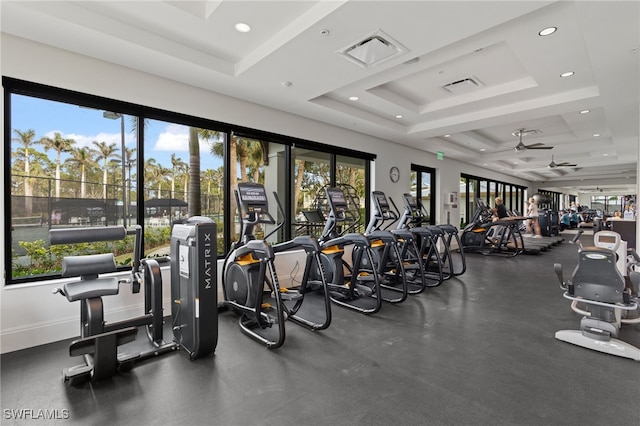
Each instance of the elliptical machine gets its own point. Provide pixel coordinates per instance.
(249, 280)
(355, 286)
(426, 240)
(406, 251)
(493, 237)
(387, 258)
(99, 340)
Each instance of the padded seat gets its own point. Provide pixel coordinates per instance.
(88, 289)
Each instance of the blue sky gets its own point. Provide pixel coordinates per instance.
(85, 125)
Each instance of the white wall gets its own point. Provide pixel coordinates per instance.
(30, 314)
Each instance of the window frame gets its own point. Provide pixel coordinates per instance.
(15, 86)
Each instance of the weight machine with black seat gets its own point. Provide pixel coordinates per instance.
(354, 285)
(599, 292)
(99, 340)
(250, 283)
(382, 218)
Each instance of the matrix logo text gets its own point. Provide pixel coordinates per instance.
(35, 414)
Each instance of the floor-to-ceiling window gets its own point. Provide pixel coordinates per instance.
(474, 188)
(423, 187)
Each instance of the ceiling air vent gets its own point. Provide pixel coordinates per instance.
(465, 85)
(373, 50)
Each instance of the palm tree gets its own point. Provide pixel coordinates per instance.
(155, 174)
(195, 193)
(104, 153)
(243, 148)
(297, 202)
(26, 139)
(255, 158)
(130, 161)
(176, 166)
(217, 149)
(59, 145)
(82, 157)
(185, 187)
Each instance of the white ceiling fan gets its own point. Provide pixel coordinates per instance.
(553, 164)
(522, 147)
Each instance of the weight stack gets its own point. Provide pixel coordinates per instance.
(194, 289)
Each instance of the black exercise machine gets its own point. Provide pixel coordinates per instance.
(385, 246)
(445, 238)
(457, 264)
(354, 285)
(194, 289)
(99, 341)
(413, 219)
(250, 283)
(487, 236)
(382, 218)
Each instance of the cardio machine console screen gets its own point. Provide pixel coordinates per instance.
(381, 200)
(411, 202)
(608, 241)
(336, 198)
(252, 195)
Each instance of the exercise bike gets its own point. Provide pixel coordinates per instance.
(599, 292)
(354, 285)
(250, 283)
(406, 251)
(99, 340)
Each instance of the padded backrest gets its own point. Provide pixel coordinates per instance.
(596, 277)
(88, 265)
(87, 235)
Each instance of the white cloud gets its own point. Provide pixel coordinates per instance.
(87, 140)
(175, 138)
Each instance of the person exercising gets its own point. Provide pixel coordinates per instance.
(500, 211)
(532, 221)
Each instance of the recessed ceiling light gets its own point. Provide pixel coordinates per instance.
(548, 31)
(447, 136)
(399, 116)
(483, 149)
(242, 27)
(567, 74)
(353, 98)
(585, 111)
(605, 155)
(595, 135)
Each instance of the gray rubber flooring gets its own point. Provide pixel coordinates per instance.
(478, 350)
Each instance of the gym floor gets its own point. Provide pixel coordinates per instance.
(478, 350)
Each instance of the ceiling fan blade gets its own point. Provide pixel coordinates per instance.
(565, 164)
(537, 146)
